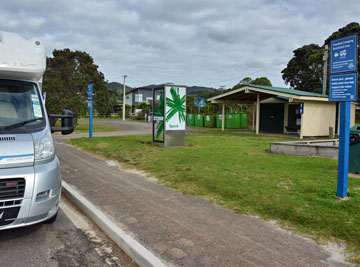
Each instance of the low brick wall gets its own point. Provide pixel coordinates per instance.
(314, 148)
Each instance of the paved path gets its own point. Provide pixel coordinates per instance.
(182, 229)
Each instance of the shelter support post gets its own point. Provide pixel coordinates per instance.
(286, 117)
(223, 117)
(257, 113)
(253, 118)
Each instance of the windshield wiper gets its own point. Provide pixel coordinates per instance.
(19, 124)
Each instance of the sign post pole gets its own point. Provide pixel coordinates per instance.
(90, 105)
(344, 139)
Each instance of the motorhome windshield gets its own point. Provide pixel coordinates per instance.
(20, 107)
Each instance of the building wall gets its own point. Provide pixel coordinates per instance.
(129, 99)
(352, 116)
(145, 93)
(317, 118)
(353, 113)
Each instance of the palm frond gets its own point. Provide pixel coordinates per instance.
(170, 114)
(159, 129)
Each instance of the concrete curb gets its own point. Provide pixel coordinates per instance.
(133, 248)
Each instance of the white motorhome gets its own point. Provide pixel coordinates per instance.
(30, 183)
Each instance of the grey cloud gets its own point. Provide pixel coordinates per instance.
(199, 42)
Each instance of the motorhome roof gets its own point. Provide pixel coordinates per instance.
(20, 58)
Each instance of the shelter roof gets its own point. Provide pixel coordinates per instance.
(248, 94)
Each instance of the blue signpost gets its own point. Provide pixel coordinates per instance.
(90, 106)
(344, 140)
(343, 89)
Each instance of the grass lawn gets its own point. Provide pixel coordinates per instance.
(237, 172)
(98, 126)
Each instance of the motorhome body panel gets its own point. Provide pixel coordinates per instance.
(16, 150)
(41, 194)
(30, 182)
(21, 59)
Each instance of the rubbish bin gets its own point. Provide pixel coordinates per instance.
(354, 153)
(199, 120)
(209, 120)
(190, 120)
(219, 121)
(233, 121)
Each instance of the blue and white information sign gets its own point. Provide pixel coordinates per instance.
(343, 55)
(343, 87)
(301, 108)
(90, 95)
(200, 102)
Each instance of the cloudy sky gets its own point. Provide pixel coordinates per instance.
(191, 42)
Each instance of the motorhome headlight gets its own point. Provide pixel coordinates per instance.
(44, 147)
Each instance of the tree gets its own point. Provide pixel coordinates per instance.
(258, 81)
(304, 71)
(261, 81)
(350, 29)
(246, 80)
(66, 78)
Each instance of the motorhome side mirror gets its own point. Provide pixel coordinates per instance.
(67, 122)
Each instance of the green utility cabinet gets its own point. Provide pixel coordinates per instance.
(243, 120)
(190, 120)
(354, 153)
(219, 121)
(210, 120)
(199, 120)
(233, 121)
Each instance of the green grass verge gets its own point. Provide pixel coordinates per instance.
(106, 118)
(237, 172)
(98, 126)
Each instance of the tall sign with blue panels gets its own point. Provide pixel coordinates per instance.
(90, 106)
(343, 89)
(343, 55)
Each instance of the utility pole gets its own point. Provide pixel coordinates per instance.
(124, 89)
(325, 60)
(222, 88)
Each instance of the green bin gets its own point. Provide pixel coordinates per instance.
(190, 120)
(243, 120)
(233, 121)
(199, 120)
(219, 121)
(354, 152)
(209, 120)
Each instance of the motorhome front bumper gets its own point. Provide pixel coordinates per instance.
(29, 195)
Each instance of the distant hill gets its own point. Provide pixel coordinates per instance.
(118, 89)
(197, 90)
(118, 86)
